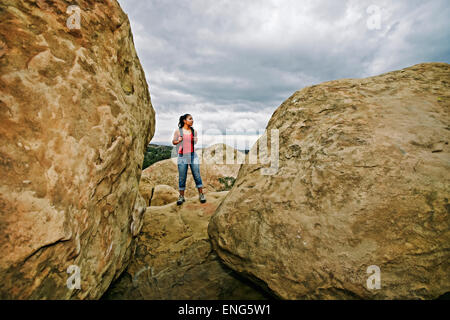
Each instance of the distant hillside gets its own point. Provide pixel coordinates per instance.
(156, 153)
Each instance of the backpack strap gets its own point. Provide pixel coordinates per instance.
(192, 139)
(180, 145)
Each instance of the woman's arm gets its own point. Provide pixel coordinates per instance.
(195, 137)
(176, 137)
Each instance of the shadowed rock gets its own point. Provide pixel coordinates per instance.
(174, 258)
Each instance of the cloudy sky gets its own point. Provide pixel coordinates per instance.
(232, 63)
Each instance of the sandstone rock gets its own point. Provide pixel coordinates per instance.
(76, 117)
(213, 166)
(163, 195)
(174, 258)
(162, 173)
(362, 180)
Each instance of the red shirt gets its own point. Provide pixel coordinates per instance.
(187, 143)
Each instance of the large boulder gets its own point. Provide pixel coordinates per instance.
(76, 118)
(174, 258)
(217, 169)
(362, 183)
(162, 195)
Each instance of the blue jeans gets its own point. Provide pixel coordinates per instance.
(185, 160)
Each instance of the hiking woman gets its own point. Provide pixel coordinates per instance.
(184, 138)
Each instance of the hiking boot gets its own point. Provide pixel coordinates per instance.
(202, 198)
(180, 200)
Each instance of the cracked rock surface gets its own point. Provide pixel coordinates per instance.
(76, 117)
(363, 179)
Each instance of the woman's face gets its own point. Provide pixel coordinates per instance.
(189, 121)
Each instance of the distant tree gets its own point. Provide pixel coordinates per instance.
(156, 153)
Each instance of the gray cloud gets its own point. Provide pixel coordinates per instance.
(232, 63)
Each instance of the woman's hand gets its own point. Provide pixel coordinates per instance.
(176, 140)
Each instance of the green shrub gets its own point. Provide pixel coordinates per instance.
(156, 153)
(227, 182)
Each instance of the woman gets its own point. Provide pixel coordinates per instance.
(184, 138)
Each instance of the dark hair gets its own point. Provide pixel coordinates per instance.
(181, 122)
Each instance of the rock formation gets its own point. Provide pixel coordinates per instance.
(174, 258)
(217, 161)
(362, 183)
(76, 118)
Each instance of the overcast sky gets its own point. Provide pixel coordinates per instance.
(232, 63)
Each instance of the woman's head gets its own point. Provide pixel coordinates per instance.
(186, 118)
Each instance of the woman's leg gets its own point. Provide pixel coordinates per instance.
(195, 169)
(182, 174)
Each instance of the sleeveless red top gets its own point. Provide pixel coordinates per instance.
(187, 143)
